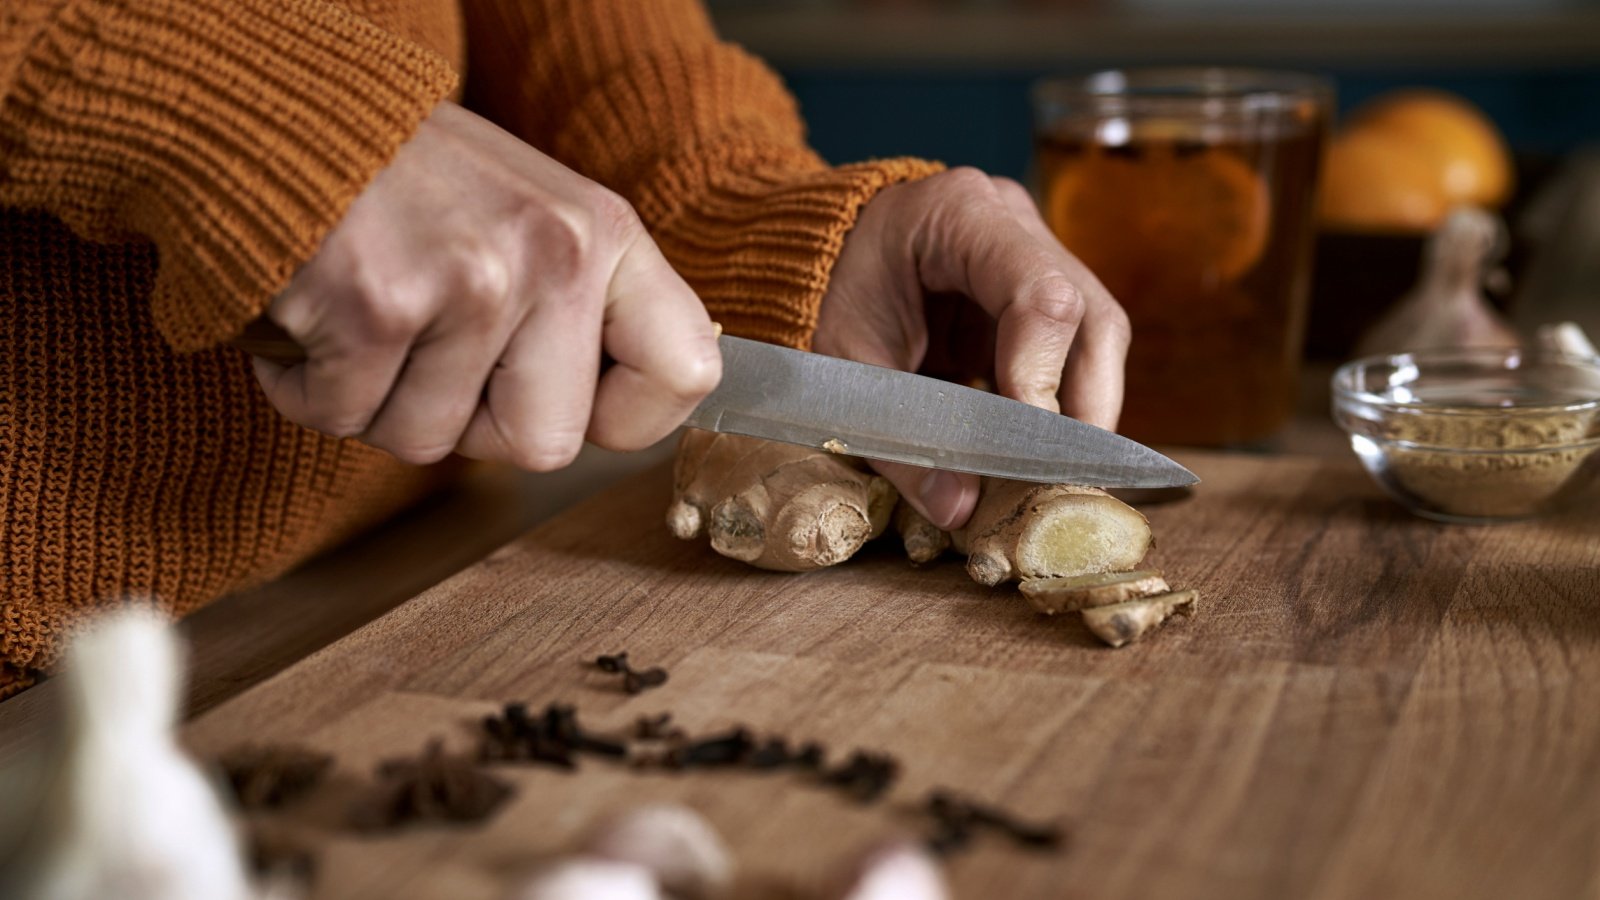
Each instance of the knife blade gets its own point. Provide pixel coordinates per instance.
(872, 412)
(868, 411)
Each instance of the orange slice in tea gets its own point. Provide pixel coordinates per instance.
(1161, 211)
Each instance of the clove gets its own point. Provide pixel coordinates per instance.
(634, 681)
(864, 776)
(949, 837)
(277, 855)
(554, 737)
(561, 724)
(956, 818)
(721, 750)
(265, 776)
(432, 786)
(772, 754)
(637, 682)
(514, 737)
(657, 728)
(810, 757)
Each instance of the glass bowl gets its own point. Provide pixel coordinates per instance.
(1476, 435)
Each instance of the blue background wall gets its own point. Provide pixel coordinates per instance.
(982, 119)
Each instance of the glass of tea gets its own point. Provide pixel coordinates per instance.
(1190, 192)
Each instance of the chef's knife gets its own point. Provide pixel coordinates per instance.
(788, 395)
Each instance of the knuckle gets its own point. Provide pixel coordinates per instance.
(548, 452)
(1011, 191)
(340, 420)
(1038, 390)
(419, 454)
(967, 179)
(566, 237)
(696, 374)
(607, 439)
(484, 274)
(1118, 325)
(1057, 299)
(615, 215)
(344, 425)
(631, 439)
(383, 315)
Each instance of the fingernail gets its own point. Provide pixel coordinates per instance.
(941, 497)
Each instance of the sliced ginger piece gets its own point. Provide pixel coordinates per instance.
(1022, 530)
(1126, 622)
(775, 506)
(1077, 592)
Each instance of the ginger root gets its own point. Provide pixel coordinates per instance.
(775, 506)
(923, 540)
(1124, 623)
(1079, 592)
(1021, 530)
(1026, 531)
(1073, 548)
(792, 509)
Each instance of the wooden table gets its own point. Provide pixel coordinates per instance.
(1367, 705)
(246, 637)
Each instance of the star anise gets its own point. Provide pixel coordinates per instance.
(433, 786)
(269, 775)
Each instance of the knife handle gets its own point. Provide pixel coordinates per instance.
(265, 339)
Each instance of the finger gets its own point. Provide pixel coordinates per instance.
(1032, 341)
(1092, 388)
(984, 252)
(436, 396)
(340, 387)
(536, 408)
(438, 391)
(665, 349)
(944, 498)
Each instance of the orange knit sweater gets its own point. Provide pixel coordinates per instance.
(165, 165)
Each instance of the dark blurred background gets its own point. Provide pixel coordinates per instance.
(948, 79)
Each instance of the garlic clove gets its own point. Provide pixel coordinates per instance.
(674, 843)
(592, 879)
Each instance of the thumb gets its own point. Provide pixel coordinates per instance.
(944, 498)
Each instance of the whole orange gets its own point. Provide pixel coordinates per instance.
(1473, 164)
(1374, 181)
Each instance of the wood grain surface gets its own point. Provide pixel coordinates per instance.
(1366, 705)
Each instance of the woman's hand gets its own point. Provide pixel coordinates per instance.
(463, 303)
(1061, 339)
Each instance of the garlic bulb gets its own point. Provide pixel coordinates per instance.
(119, 809)
(1447, 308)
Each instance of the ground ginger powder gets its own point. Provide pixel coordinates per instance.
(1460, 462)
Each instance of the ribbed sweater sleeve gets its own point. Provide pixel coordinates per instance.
(700, 136)
(231, 134)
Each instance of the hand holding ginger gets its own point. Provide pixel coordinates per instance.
(1061, 338)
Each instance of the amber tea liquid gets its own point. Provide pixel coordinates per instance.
(1202, 231)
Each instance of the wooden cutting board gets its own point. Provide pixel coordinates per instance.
(1366, 705)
